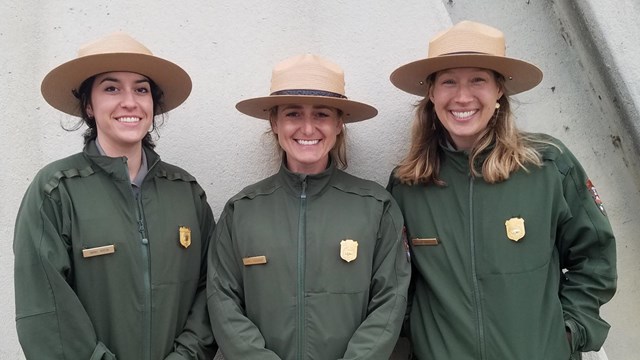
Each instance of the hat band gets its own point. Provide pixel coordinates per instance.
(467, 53)
(306, 92)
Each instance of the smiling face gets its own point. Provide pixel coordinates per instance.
(307, 133)
(122, 106)
(465, 100)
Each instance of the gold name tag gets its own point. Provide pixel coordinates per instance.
(424, 241)
(254, 260)
(97, 251)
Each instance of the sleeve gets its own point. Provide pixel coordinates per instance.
(406, 331)
(237, 336)
(588, 257)
(376, 337)
(196, 340)
(51, 321)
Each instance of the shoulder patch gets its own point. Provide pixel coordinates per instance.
(405, 244)
(596, 198)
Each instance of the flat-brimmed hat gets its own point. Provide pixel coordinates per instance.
(114, 52)
(307, 79)
(467, 44)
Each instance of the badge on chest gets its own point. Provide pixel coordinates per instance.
(348, 250)
(515, 228)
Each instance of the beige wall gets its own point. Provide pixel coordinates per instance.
(229, 49)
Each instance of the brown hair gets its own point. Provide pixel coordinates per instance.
(512, 148)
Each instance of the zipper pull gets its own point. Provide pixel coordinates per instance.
(303, 195)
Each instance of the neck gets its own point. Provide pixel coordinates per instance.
(132, 153)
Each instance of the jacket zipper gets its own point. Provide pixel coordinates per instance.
(146, 277)
(474, 274)
(146, 268)
(301, 266)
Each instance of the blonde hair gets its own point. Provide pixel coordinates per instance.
(511, 149)
(339, 151)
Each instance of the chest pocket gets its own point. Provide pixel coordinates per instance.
(514, 245)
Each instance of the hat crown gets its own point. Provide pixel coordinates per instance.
(468, 37)
(118, 42)
(308, 72)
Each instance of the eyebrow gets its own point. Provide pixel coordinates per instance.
(139, 81)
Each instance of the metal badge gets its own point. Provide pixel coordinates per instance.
(185, 236)
(348, 250)
(515, 228)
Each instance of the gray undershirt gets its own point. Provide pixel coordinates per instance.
(142, 173)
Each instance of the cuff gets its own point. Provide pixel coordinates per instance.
(577, 339)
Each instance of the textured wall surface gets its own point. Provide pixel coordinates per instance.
(229, 48)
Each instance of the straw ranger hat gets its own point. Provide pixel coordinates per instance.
(307, 79)
(467, 44)
(114, 52)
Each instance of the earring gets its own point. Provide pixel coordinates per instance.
(497, 105)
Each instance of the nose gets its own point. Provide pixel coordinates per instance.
(307, 124)
(463, 94)
(128, 99)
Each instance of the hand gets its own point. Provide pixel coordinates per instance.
(570, 339)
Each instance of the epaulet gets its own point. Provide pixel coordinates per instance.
(555, 151)
(66, 174)
(263, 187)
(353, 184)
(174, 173)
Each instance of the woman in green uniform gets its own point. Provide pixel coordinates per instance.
(309, 263)
(110, 244)
(512, 249)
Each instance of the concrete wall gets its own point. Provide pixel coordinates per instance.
(587, 98)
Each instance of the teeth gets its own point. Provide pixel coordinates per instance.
(463, 114)
(308, 142)
(129, 119)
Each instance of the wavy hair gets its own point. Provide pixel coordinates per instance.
(507, 149)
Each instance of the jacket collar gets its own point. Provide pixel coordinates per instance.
(116, 167)
(459, 159)
(313, 184)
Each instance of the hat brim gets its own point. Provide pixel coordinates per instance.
(519, 75)
(58, 85)
(352, 111)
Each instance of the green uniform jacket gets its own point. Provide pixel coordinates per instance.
(302, 300)
(145, 301)
(480, 295)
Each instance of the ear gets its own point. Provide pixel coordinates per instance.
(274, 126)
(89, 111)
(340, 126)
